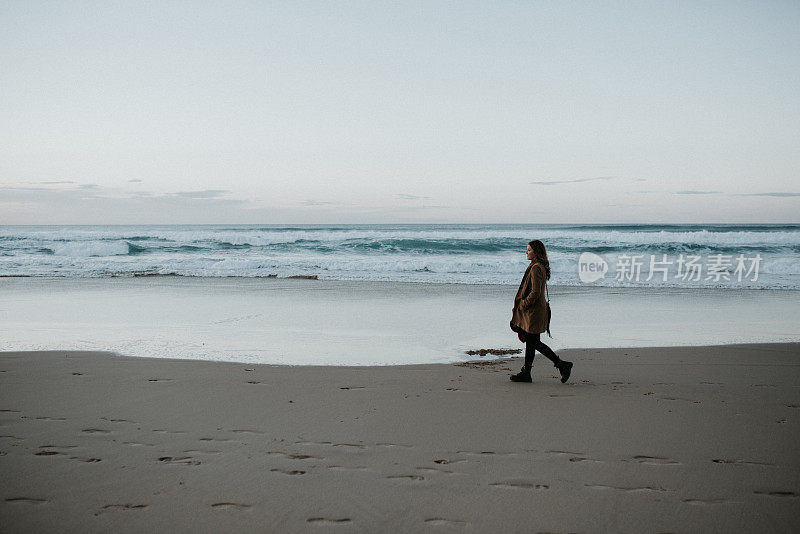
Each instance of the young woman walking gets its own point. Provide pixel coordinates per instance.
(529, 318)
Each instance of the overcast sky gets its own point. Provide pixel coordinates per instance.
(336, 112)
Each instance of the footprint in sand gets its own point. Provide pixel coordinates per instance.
(523, 484)
(183, 460)
(655, 460)
(584, 459)
(294, 456)
(777, 493)
(737, 461)
(46, 418)
(445, 461)
(625, 488)
(26, 500)
(292, 472)
(120, 508)
(487, 453)
(96, 431)
(329, 521)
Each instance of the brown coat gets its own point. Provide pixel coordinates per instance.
(530, 307)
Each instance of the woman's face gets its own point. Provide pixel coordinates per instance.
(529, 253)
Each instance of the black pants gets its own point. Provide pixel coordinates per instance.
(532, 344)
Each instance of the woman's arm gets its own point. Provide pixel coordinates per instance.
(537, 287)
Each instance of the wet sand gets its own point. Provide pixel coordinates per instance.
(328, 322)
(678, 439)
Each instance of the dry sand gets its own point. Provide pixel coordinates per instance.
(686, 439)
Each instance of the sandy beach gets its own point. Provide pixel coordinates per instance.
(659, 439)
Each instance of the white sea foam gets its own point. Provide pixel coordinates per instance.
(465, 254)
(89, 248)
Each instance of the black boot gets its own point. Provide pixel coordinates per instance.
(523, 376)
(565, 368)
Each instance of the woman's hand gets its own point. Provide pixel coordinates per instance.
(521, 336)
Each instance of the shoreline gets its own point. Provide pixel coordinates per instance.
(691, 439)
(475, 359)
(316, 278)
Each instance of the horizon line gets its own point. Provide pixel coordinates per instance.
(421, 224)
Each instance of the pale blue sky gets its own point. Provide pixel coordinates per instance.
(292, 112)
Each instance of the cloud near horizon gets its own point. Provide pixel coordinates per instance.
(202, 194)
(86, 203)
(778, 194)
(579, 180)
(773, 194)
(35, 201)
(403, 196)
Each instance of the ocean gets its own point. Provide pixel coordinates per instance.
(759, 256)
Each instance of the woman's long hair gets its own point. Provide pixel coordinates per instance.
(540, 253)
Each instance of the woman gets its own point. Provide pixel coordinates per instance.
(529, 318)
